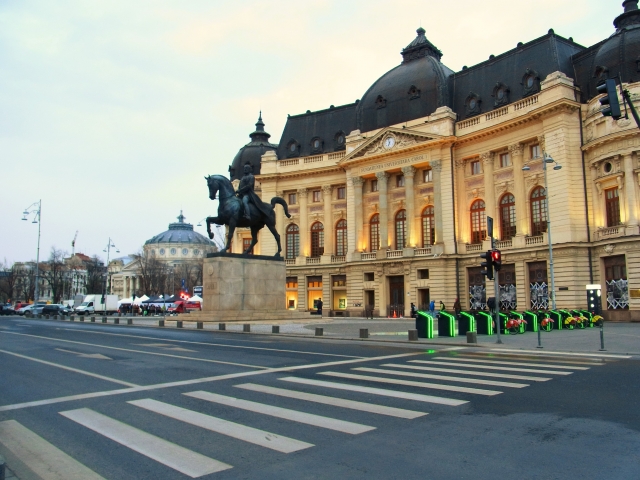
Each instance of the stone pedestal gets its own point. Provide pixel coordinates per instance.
(242, 288)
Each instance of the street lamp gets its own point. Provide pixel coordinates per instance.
(106, 277)
(546, 158)
(36, 209)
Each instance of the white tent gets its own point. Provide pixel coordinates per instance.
(141, 299)
(196, 298)
(125, 300)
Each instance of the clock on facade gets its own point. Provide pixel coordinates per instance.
(389, 142)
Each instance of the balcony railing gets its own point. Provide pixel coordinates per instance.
(290, 261)
(338, 258)
(423, 251)
(537, 240)
(313, 260)
(502, 244)
(394, 253)
(489, 117)
(609, 232)
(368, 256)
(473, 247)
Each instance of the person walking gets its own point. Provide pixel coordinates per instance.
(457, 307)
(432, 307)
(413, 310)
(319, 305)
(442, 307)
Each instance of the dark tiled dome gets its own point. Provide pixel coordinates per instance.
(414, 89)
(180, 232)
(252, 152)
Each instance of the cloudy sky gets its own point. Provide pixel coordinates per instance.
(112, 111)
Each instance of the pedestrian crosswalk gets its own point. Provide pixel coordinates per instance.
(442, 381)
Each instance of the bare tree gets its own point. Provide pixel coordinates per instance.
(154, 273)
(53, 273)
(8, 280)
(96, 272)
(191, 272)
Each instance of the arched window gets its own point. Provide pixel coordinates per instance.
(428, 227)
(317, 239)
(478, 222)
(507, 217)
(374, 233)
(341, 237)
(538, 211)
(401, 229)
(293, 241)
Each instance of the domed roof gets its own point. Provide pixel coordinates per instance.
(621, 51)
(252, 152)
(180, 232)
(414, 89)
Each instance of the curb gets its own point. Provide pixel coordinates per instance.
(3, 468)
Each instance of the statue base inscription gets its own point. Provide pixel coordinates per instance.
(243, 288)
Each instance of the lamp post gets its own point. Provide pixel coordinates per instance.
(106, 277)
(546, 158)
(36, 209)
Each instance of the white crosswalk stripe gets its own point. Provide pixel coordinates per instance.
(567, 354)
(285, 413)
(40, 456)
(235, 430)
(173, 456)
(435, 386)
(377, 391)
(517, 364)
(537, 358)
(469, 372)
(490, 367)
(449, 378)
(336, 402)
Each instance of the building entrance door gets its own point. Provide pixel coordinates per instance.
(396, 296)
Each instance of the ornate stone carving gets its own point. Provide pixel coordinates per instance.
(326, 190)
(382, 176)
(609, 248)
(460, 163)
(357, 181)
(541, 141)
(533, 180)
(436, 166)
(409, 171)
(516, 149)
(589, 133)
(280, 194)
(401, 140)
(303, 192)
(486, 158)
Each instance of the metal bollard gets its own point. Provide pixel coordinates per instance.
(47, 317)
(161, 323)
(275, 328)
(116, 321)
(472, 337)
(222, 326)
(364, 333)
(72, 318)
(55, 317)
(413, 335)
(104, 319)
(602, 336)
(179, 324)
(129, 321)
(81, 318)
(319, 331)
(199, 325)
(246, 327)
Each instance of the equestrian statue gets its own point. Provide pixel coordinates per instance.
(243, 208)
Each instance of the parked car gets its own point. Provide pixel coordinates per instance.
(192, 305)
(7, 310)
(37, 309)
(55, 309)
(19, 305)
(29, 308)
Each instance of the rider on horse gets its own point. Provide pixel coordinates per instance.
(246, 193)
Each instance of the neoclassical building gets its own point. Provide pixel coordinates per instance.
(178, 245)
(390, 195)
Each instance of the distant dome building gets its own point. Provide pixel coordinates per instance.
(179, 243)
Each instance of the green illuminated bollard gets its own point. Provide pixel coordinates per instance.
(523, 327)
(557, 318)
(446, 325)
(424, 324)
(466, 323)
(589, 317)
(532, 321)
(484, 323)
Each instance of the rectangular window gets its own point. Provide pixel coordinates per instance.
(617, 286)
(292, 282)
(475, 167)
(293, 198)
(536, 151)
(613, 207)
(374, 185)
(400, 181)
(427, 176)
(246, 243)
(316, 196)
(368, 276)
(339, 280)
(505, 160)
(314, 282)
(423, 274)
(341, 193)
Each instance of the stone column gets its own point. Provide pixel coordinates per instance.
(383, 178)
(357, 183)
(519, 189)
(409, 194)
(280, 226)
(124, 287)
(462, 215)
(489, 188)
(305, 248)
(599, 220)
(436, 167)
(328, 220)
(630, 191)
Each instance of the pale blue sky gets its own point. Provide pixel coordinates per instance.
(112, 111)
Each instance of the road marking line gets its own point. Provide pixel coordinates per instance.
(334, 401)
(273, 441)
(531, 357)
(195, 381)
(489, 367)
(469, 372)
(86, 355)
(285, 413)
(571, 354)
(80, 330)
(136, 351)
(443, 377)
(162, 451)
(452, 402)
(71, 369)
(517, 364)
(165, 346)
(40, 456)
(435, 386)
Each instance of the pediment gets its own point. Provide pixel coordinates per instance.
(390, 140)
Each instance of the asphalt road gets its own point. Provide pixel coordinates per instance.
(126, 402)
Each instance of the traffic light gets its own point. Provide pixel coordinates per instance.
(496, 260)
(488, 265)
(610, 99)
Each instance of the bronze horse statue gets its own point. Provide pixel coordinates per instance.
(230, 213)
